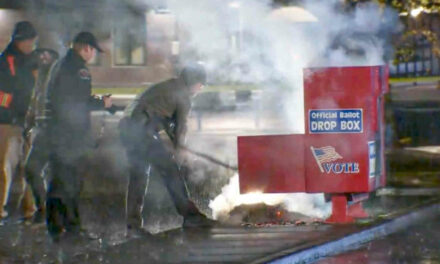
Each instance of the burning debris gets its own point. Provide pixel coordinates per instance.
(263, 215)
(232, 207)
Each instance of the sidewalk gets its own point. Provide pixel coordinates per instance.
(415, 92)
(242, 244)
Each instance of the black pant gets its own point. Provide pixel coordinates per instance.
(62, 214)
(64, 189)
(36, 160)
(153, 153)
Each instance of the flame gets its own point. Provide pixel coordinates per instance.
(309, 204)
(231, 198)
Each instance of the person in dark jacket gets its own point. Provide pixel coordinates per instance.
(69, 102)
(163, 107)
(17, 81)
(38, 155)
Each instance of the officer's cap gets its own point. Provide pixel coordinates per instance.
(87, 38)
(193, 73)
(23, 30)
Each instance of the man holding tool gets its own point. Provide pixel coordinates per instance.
(163, 107)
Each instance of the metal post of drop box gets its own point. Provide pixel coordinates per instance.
(344, 211)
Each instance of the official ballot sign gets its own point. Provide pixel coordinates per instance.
(335, 121)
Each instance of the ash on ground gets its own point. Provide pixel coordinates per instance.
(261, 215)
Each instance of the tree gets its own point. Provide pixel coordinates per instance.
(417, 16)
(408, 5)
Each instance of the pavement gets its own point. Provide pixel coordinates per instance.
(251, 243)
(415, 92)
(417, 244)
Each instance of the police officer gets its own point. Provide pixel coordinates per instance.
(38, 155)
(164, 106)
(16, 84)
(69, 102)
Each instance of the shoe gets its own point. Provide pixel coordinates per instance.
(88, 235)
(76, 236)
(57, 236)
(198, 220)
(4, 214)
(137, 232)
(39, 217)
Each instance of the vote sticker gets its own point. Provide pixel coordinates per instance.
(335, 121)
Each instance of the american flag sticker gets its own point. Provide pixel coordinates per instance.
(325, 155)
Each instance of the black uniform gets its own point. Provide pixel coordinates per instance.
(17, 82)
(163, 106)
(69, 102)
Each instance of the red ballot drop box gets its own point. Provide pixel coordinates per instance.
(340, 154)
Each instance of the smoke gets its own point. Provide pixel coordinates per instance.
(312, 205)
(249, 42)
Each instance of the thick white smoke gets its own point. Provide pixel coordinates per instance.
(312, 205)
(273, 50)
(277, 48)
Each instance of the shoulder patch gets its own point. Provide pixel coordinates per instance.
(84, 74)
(11, 63)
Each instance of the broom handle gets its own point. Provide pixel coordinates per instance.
(209, 158)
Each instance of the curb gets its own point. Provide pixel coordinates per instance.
(414, 83)
(349, 242)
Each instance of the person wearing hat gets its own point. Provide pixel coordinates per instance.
(17, 77)
(69, 102)
(162, 107)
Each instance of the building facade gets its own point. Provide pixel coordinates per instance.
(140, 43)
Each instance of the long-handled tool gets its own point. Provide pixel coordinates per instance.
(210, 158)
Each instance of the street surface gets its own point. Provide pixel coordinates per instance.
(104, 216)
(418, 244)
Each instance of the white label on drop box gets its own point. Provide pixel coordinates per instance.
(335, 121)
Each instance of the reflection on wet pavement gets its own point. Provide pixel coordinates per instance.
(20, 243)
(419, 244)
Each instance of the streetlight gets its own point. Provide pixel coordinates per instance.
(235, 4)
(416, 11)
(236, 40)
